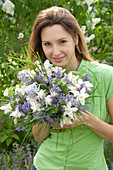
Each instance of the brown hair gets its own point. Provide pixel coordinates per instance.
(57, 15)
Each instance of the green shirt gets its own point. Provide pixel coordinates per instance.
(80, 149)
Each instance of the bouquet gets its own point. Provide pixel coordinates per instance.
(46, 93)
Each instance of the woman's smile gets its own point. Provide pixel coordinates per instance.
(58, 59)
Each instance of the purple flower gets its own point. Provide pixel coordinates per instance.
(57, 88)
(26, 107)
(111, 59)
(86, 78)
(51, 79)
(21, 128)
(104, 62)
(24, 76)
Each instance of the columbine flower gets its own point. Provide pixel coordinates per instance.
(73, 90)
(8, 7)
(47, 64)
(76, 81)
(7, 108)
(65, 79)
(73, 78)
(53, 93)
(17, 113)
(41, 94)
(69, 110)
(20, 35)
(82, 95)
(65, 120)
(48, 100)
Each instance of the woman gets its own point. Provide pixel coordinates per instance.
(57, 36)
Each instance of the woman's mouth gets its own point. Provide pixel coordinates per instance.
(58, 59)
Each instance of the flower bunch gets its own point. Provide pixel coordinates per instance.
(47, 93)
(8, 7)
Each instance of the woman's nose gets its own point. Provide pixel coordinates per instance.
(56, 50)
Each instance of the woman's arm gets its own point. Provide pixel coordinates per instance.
(41, 132)
(100, 127)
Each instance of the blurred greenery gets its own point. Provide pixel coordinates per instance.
(11, 47)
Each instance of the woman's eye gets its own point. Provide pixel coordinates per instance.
(47, 44)
(63, 41)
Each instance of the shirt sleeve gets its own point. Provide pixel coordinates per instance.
(108, 81)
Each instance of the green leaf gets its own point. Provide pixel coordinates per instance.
(9, 141)
(15, 136)
(3, 138)
(85, 7)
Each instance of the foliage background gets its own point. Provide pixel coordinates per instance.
(11, 48)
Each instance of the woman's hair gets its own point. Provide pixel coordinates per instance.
(57, 15)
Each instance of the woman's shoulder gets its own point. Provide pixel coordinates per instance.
(102, 72)
(96, 67)
(101, 69)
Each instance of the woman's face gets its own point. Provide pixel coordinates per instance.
(58, 45)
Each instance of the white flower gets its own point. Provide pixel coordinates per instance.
(92, 36)
(65, 120)
(32, 73)
(69, 110)
(35, 106)
(88, 39)
(12, 20)
(88, 85)
(41, 94)
(49, 72)
(37, 62)
(8, 7)
(38, 65)
(64, 79)
(76, 81)
(73, 90)
(82, 95)
(83, 29)
(53, 94)
(48, 100)
(89, 2)
(20, 35)
(95, 21)
(17, 113)
(47, 64)
(48, 67)
(72, 78)
(6, 92)
(58, 69)
(19, 90)
(7, 108)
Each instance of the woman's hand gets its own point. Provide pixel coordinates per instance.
(84, 118)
